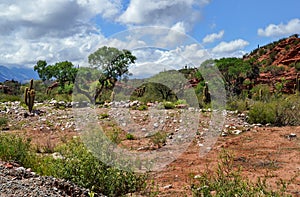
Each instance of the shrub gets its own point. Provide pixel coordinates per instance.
(3, 121)
(238, 104)
(41, 96)
(180, 102)
(8, 97)
(288, 111)
(77, 165)
(81, 167)
(227, 180)
(159, 139)
(262, 113)
(140, 107)
(129, 136)
(280, 112)
(297, 66)
(169, 105)
(103, 116)
(15, 149)
(261, 92)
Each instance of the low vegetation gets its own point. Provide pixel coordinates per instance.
(75, 163)
(227, 180)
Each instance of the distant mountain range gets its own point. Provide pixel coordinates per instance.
(18, 74)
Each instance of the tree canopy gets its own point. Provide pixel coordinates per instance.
(62, 71)
(112, 64)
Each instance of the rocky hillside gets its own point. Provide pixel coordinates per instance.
(278, 61)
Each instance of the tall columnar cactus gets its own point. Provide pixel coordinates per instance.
(29, 96)
(206, 94)
(260, 94)
(112, 96)
(297, 85)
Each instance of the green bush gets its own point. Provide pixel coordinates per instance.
(288, 111)
(238, 104)
(169, 105)
(3, 121)
(159, 139)
(81, 167)
(262, 113)
(77, 165)
(8, 97)
(15, 149)
(261, 92)
(180, 101)
(140, 107)
(227, 180)
(297, 66)
(130, 136)
(103, 116)
(280, 111)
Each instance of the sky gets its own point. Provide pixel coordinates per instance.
(161, 33)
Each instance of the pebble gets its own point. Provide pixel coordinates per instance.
(18, 181)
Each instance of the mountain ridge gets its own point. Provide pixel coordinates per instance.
(17, 73)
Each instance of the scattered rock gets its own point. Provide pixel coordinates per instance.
(168, 186)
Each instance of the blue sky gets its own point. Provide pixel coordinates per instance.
(60, 30)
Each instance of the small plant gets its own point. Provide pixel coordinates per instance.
(103, 116)
(168, 105)
(262, 113)
(261, 92)
(180, 102)
(130, 136)
(3, 121)
(227, 180)
(140, 107)
(159, 139)
(297, 66)
(14, 149)
(114, 136)
(8, 97)
(29, 95)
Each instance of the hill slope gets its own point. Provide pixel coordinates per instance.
(278, 61)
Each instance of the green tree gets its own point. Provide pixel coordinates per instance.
(113, 65)
(63, 72)
(42, 70)
(234, 71)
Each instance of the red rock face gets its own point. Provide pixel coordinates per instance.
(282, 54)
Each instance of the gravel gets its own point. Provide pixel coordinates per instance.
(18, 181)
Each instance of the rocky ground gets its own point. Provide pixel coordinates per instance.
(261, 150)
(18, 181)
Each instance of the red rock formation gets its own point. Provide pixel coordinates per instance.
(281, 53)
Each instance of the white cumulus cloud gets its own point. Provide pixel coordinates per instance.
(292, 27)
(162, 12)
(230, 47)
(150, 61)
(51, 30)
(213, 37)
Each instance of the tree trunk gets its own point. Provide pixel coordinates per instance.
(86, 93)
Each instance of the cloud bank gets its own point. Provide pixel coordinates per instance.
(213, 37)
(292, 27)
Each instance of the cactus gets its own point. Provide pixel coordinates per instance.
(112, 96)
(206, 94)
(297, 85)
(29, 96)
(260, 94)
